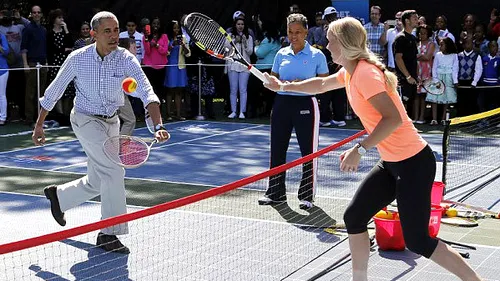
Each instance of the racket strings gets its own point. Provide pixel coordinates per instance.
(208, 34)
(126, 151)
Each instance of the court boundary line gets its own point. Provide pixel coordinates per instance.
(167, 145)
(219, 215)
(23, 133)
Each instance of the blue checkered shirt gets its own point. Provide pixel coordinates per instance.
(374, 33)
(98, 81)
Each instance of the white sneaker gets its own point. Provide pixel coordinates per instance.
(242, 116)
(305, 205)
(325, 124)
(232, 115)
(339, 123)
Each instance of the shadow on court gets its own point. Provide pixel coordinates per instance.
(100, 265)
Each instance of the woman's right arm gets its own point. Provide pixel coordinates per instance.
(313, 86)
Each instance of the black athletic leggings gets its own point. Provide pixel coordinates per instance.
(410, 182)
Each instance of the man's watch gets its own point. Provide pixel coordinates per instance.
(159, 127)
(361, 150)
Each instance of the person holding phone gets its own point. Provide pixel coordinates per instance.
(156, 44)
(176, 75)
(59, 45)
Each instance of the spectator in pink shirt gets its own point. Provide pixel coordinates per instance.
(155, 56)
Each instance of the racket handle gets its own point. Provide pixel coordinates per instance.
(257, 73)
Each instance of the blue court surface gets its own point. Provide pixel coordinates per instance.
(201, 153)
(228, 237)
(190, 244)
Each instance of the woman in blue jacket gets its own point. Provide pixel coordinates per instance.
(4, 76)
(265, 52)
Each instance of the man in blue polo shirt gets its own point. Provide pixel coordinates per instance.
(298, 111)
(33, 51)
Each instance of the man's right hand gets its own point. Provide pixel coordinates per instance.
(412, 81)
(38, 135)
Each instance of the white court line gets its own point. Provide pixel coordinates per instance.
(163, 181)
(219, 215)
(24, 133)
(172, 144)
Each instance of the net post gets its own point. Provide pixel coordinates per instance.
(200, 116)
(38, 67)
(445, 146)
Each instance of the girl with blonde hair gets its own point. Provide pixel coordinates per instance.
(407, 167)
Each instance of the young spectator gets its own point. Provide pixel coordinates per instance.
(424, 57)
(132, 33)
(85, 37)
(442, 30)
(470, 69)
(125, 112)
(239, 74)
(155, 56)
(176, 75)
(489, 97)
(445, 68)
(480, 41)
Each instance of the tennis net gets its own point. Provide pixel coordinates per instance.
(470, 151)
(218, 234)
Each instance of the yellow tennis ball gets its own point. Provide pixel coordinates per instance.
(129, 85)
(451, 212)
(384, 214)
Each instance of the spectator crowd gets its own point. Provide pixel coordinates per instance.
(34, 45)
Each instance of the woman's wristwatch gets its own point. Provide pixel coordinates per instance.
(282, 87)
(360, 149)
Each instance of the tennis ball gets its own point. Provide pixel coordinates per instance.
(384, 215)
(129, 85)
(451, 212)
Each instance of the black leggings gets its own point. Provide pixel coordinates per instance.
(410, 182)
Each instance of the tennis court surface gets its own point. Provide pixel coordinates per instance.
(204, 221)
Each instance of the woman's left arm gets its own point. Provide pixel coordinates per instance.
(391, 119)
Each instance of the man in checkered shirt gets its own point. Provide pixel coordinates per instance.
(375, 31)
(98, 71)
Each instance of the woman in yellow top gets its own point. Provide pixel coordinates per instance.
(407, 167)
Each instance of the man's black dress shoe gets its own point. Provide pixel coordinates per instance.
(51, 194)
(111, 243)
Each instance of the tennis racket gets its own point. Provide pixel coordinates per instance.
(474, 209)
(458, 221)
(127, 151)
(210, 37)
(433, 86)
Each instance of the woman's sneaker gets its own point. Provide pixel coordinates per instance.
(232, 115)
(305, 205)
